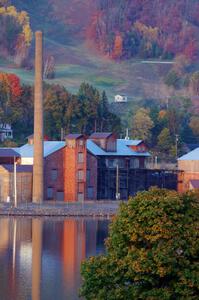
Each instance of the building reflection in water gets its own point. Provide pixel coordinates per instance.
(73, 253)
(41, 258)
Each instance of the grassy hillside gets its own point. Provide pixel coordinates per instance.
(76, 63)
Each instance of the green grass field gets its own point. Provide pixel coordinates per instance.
(77, 63)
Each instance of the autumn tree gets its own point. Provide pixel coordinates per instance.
(195, 83)
(10, 91)
(60, 110)
(142, 125)
(194, 125)
(152, 250)
(118, 47)
(15, 33)
(89, 98)
(165, 141)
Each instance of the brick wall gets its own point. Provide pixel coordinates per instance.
(24, 186)
(74, 182)
(54, 174)
(184, 178)
(70, 175)
(188, 170)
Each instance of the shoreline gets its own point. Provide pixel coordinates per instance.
(95, 209)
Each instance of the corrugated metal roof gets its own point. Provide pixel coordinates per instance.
(20, 168)
(53, 146)
(49, 147)
(8, 152)
(193, 155)
(73, 136)
(131, 142)
(100, 135)
(122, 149)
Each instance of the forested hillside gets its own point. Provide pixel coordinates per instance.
(147, 28)
(122, 29)
(161, 91)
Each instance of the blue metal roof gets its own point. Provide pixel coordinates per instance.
(122, 149)
(193, 155)
(49, 147)
(131, 142)
(8, 152)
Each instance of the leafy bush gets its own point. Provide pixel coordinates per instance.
(152, 250)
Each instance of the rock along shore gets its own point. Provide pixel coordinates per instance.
(87, 209)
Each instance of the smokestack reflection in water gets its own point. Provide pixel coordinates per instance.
(37, 227)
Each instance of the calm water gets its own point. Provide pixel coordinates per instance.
(40, 258)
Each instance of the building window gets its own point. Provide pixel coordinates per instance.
(121, 163)
(49, 193)
(80, 174)
(80, 157)
(60, 196)
(70, 143)
(54, 174)
(134, 163)
(81, 143)
(90, 192)
(111, 163)
(80, 197)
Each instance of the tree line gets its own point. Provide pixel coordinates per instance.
(167, 125)
(84, 112)
(161, 124)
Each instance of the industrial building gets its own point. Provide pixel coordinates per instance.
(99, 167)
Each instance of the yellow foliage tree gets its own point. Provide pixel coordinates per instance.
(22, 18)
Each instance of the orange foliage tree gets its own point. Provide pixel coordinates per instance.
(118, 46)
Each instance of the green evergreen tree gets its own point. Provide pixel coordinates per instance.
(165, 142)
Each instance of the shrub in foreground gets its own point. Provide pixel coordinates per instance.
(152, 250)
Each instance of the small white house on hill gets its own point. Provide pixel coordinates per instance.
(121, 98)
(5, 132)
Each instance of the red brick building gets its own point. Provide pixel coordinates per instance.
(54, 165)
(81, 168)
(75, 168)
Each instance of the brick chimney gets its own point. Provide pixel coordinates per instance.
(38, 180)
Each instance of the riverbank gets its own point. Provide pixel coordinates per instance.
(87, 209)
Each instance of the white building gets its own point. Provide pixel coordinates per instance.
(6, 132)
(121, 98)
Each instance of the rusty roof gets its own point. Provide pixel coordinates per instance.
(100, 135)
(74, 136)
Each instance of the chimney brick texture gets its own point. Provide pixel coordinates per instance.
(38, 168)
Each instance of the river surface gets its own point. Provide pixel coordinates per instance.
(40, 258)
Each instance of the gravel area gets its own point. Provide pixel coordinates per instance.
(87, 209)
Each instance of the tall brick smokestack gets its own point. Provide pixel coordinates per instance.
(38, 173)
